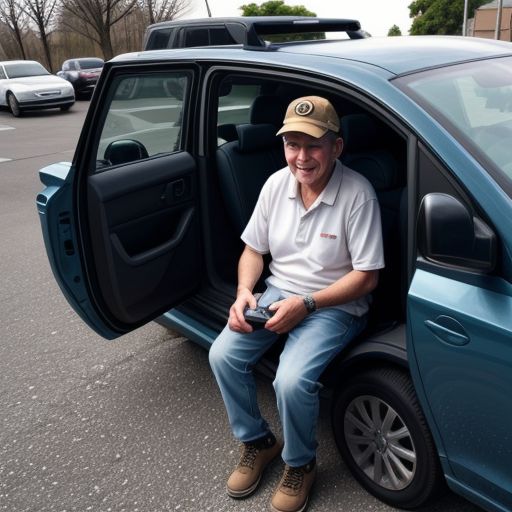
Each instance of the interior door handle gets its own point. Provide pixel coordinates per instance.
(177, 190)
(155, 252)
(448, 330)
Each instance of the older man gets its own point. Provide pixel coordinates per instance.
(320, 222)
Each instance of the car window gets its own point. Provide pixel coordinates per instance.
(144, 118)
(159, 39)
(196, 37)
(220, 36)
(2, 74)
(474, 102)
(234, 106)
(90, 63)
(21, 69)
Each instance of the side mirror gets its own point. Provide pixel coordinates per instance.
(448, 234)
(124, 151)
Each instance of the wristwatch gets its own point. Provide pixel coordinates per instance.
(310, 303)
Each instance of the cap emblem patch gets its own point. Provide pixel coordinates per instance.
(304, 108)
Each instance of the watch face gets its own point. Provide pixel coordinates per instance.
(310, 303)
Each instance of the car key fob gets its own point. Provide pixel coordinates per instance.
(258, 316)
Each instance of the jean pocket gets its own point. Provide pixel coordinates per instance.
(270, 295)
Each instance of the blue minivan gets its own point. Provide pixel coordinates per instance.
(144, 224)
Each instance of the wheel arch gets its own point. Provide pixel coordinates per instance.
(388, 350)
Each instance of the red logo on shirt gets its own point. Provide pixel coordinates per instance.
(328, 235)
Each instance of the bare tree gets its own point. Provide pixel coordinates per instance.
(13, 16)
(42, 13)
(162, 10)
(94, 19)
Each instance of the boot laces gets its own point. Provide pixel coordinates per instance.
(249, 455)
(293, 478)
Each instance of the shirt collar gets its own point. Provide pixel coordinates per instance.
(293, 185)
(330, 192)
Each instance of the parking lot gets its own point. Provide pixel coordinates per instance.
(135, 424)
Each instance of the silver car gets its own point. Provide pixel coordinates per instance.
(27, 85)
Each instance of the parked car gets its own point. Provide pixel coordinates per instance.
(228, 31)
(27, 85)
(145, 223)
(82, 73)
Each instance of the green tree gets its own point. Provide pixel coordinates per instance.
(275, 8)
(394, 31)
(443, 17)
(279, 8)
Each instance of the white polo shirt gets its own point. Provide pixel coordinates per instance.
(311, 249)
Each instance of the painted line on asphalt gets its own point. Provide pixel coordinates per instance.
(5, 159)
(6, 127)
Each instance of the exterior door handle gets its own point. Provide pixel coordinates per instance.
(448, 330)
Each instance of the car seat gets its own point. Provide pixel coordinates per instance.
(365, 151)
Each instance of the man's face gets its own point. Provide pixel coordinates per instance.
(311, 160)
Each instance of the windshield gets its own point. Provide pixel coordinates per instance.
(90, 63)
(474, 102)
(22, 69)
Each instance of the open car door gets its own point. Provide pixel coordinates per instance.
(121, 224)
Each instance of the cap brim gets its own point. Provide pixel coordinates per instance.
(302, 127)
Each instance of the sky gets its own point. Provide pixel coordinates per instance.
(376, 16)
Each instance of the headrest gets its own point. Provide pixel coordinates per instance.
(267, 109)
(227, 132)
(359, 131)
(378, 167)
(253, 137)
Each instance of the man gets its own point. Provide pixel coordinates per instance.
(320, 222)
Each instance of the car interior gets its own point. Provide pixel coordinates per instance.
(145, 233)
(247, 151)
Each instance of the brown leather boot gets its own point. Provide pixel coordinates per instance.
(255, 457)
(292, 493)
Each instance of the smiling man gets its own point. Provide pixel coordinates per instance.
(320, 222)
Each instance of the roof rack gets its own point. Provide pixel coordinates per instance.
(249, 30)
(255, 27)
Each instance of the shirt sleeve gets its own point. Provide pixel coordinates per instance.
(255, 234)
(365, 237)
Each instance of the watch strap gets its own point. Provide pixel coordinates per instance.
(310, 303)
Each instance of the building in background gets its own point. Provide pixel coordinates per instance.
(484, 24)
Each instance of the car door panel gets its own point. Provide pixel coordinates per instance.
(121, 224)
(459, 341)
(467, 385)
(147, 217)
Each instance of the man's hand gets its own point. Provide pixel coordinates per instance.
(289, 312)
(236, 320)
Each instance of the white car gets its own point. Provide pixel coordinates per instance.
(27, 85)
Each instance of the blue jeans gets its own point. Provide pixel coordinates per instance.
(308, 349)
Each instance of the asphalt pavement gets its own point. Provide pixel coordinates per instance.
(136, 424)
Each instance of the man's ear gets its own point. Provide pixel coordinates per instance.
(338, 147)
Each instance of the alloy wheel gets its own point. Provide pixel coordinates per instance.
(380, 442)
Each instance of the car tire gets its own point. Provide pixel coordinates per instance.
(13, 105)
(382, 435)
(65, 108)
